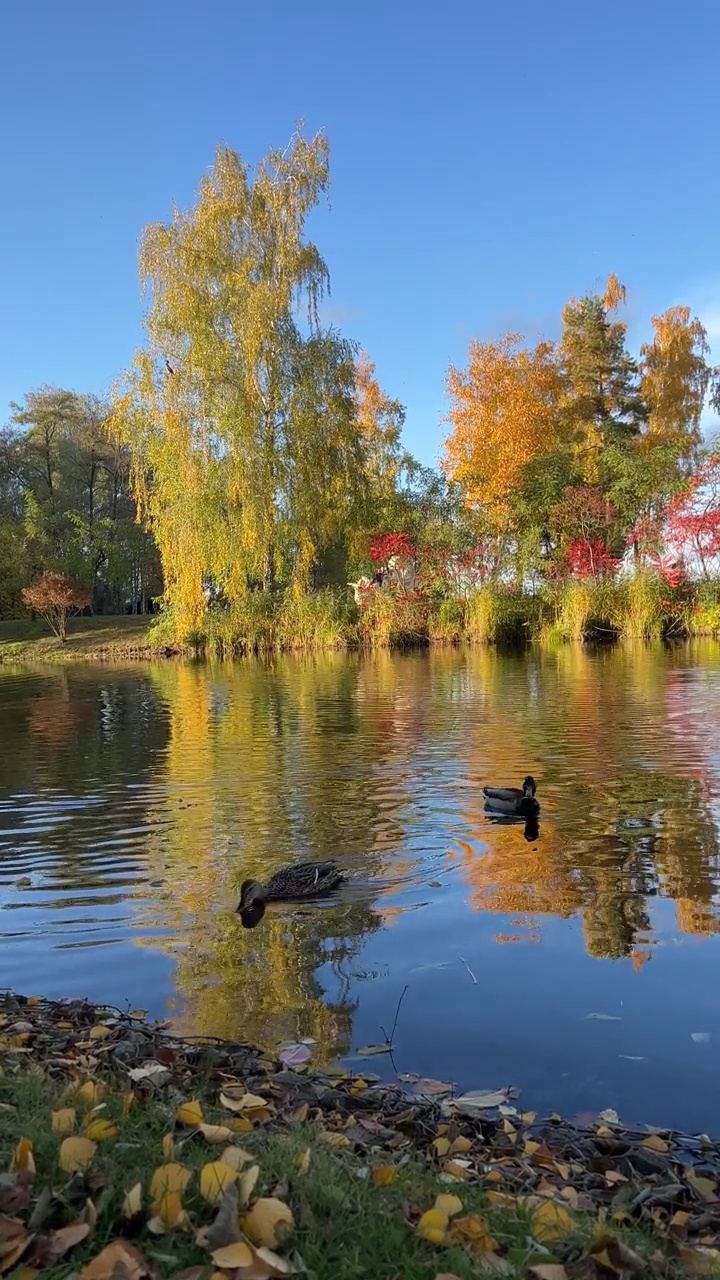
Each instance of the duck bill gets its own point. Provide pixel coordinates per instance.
(251, 915)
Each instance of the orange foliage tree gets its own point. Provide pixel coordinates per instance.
(54, 596)
(504, 415)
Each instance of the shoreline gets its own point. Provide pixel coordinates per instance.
(532, 1191)
(106, 639)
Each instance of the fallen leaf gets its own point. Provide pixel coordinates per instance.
(617, 1256)
(14, 1252)
(441, 1146)
(64, 1239)
(460, 1146)
(168, 1214)
(303, 1160)
(100, 1032)
(225, 1227)
(148, 1070)
(373, 1050)
(63, 1121)
(383, 1175)
(132, 1202)
(214, 1178)
(246, 1184)
(293, 1055)
(100, 1130)
(189, 1113)
(449, 1205)
(215, 1132)
(91, 1092)
(168, 1146)
(548, 1271)
(117, 1261)
(551, 1222)
(168, 1178)
(232, 1256)
(267, 1222)
(700, 1260)
(433, 1226)
(474, 1233)
(235, 1157)
(23, 1163)
(479, 1100)
(76, 1154)
(248, 1102)
(654, 1143)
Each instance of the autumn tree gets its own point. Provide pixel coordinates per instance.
(504, 414)
(55, 596)
(675, 381)
(603, 406)
(242, 418)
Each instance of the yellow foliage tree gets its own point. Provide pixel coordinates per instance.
(245, 444)
(675, 380)
(504, 415)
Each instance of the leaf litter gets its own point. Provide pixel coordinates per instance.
(544, 1171)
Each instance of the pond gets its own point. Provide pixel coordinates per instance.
(580, 966)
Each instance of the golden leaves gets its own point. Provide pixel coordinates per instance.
(76, 1154)
(267, 1222)
(504, 414)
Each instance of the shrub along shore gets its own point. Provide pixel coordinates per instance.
(127, 1152)
(642, 608)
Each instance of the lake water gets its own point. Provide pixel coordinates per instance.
(135, 800)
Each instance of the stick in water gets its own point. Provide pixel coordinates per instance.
(467, 966)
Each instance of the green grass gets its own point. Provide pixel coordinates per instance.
(24, 640)
(345, 1224)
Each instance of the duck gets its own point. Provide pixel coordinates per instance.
(519, 800)
(290, 884)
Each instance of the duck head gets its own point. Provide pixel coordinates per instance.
(251, 916)
(529, 786)
(250, 894)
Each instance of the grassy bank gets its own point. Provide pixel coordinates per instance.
(644, 608)
(130, 1153)
(89, 639)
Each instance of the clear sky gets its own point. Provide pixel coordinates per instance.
(487, 161)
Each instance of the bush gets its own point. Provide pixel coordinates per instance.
(55, 596)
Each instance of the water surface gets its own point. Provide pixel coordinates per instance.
(134, 801)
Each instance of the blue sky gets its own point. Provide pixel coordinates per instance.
(487, 162)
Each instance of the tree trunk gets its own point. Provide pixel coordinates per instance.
(269, 567)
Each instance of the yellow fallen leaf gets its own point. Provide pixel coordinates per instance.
(271, 1263)
(119, 1259)
(460, 1146)
(456, 1170)
(303, 1160)
(449, 1205)
(236, 1157)
(441, 1146)
(232, 1256)
(214, 1178)
(61, 1241)
(246, 1184)
(23, 1163)
(551, 1222)
(337, 1140)
(654, 1143)
(168, 1146)
(168, 1178)
(383, 1175)
(190, 1113)
(548, 1271)
(100, 1130)
(474, 1233)
(267, 1222)
(132, 1201)
(91, 1092)
(138, 1014)
(100, 1032)
(240, 1124)
(215, 1132)
(63, 1121)
(76, 1154)
(248, 1102)
(700, 1260)
(168, 1215)
(433, 1226)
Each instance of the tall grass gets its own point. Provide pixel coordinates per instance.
(641, 608)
